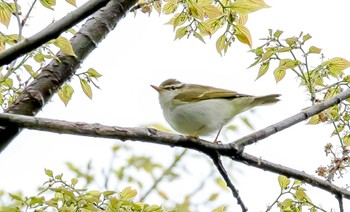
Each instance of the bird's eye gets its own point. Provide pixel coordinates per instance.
(173, 88)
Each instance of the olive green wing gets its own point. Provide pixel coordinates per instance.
(193, 94)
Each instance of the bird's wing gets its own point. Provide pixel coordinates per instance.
(194, 95)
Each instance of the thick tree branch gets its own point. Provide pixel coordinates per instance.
(303, 115)
(39, 92)
(51, 31)
(289, 172)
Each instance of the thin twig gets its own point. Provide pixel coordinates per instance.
(165, 173)
(218, 163)
(339, 197)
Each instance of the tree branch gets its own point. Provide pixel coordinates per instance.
(45, 85)
(279, 126)
(51, 31)
(154, 136)
(218, 163)
(289, 172)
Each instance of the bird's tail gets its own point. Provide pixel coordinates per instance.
(265, 100)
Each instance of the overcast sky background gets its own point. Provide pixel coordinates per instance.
(140, 52)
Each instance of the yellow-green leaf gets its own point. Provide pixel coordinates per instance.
(220, 209)
(64, 45)
(181, 32)
(288, 63)
(263, 69)
(157, 5)
(314, 50)
(242, 19)
(204, 28)
(306, 37)
(74, 181)
(283, 182)
(169, 8)
(197, 35)
(213, 197)
(93, 73)
(269, 52)
(221, 183)
(279, 74)
(8, 82)
(180, 19)
(277, 34)
(128, 193)
(243, 35)
(291, 41)
(162, 194)
(314, 119)
(72, 2)
(220, 44)
(338, 64)
(248, 6)
(5, 14)
(48, 172)
(48, 3)
(346, 140)
(195, 10)
(86, 88)
(212, 11)
(66, 93)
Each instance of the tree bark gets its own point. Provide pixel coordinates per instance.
(40, 91)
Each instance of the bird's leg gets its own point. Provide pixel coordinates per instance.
(217, 136)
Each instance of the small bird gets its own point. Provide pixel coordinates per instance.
(200, 110)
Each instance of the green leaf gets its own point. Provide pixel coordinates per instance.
(268, 54)
(86, 88)
(283, 182)
(72, 2)
(243, 35)
(128, 193)
(263, 69)
(8, 83)
(314, 50)
(220, 44)
(93, 73)
(65, 46)
(245, 7)
(169, 8)
(48, 3)
(314, 119)
(337, 65)
(291, 41)
(346, 140)
(48, 172)
(39, 57)
(181, 32)
(306, 37)
(180, 19)
(288, 63)
(5, 14)
(213, 197)
(279, 74)
(66, 93)
(74, 181)
(15, 197)
(221, 183)
(277, 34)
(220, 209)
(197, 35)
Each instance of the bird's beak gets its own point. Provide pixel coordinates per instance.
(159, 89)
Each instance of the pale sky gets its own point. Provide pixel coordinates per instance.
(140, 52)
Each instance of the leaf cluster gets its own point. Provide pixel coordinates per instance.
(322, 79)
(201, 18)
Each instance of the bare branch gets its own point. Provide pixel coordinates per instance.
(340, 201)
(289, 172)
(51, 31)
(305, 114)
(218, 163)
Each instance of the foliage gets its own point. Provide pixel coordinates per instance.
(60, 195)
(322, 79)
(201, 18)
(19, 73)
(297, 201)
